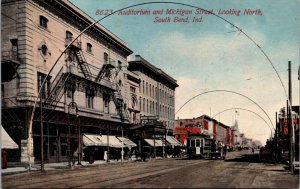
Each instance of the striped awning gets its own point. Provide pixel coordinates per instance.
(6, 141)
(158, 143)
(127, 142)
(173, 141)
(101, 140)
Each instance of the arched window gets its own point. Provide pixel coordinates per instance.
(89, 47)
(43, 21)
(143, 87)
(69, 35)
(140, 103)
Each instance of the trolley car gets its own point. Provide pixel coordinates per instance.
(199, 146)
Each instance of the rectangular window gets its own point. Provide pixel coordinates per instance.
(89, 98)
(143, 87)
(46, 87)
(14, 44)
(105, 58)
(192, 143)
(106, 104)
(70, 89)
(132, 89)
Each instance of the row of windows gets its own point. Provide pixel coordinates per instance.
(89, 47)
(151, 107)
(89, 97)
(132, 89)
(161, 85)
(69, 91)
(69, 37)
(148, 89)
(164, 96)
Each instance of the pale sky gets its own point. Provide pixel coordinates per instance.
(213, 55)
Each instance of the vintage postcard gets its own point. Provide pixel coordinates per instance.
(150, 93)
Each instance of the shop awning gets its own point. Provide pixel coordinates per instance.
(6, 141)
(173, 141)
(101, 140)
(158, 143)
(127, 142)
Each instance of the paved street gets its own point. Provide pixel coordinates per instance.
(235, 172)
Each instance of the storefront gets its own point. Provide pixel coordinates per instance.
(100, 146)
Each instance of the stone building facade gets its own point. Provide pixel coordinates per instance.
(91, 88)
(84, 93)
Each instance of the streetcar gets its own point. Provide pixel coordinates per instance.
(199, 146)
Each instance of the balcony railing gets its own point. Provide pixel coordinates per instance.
(76, 43)
(105, 82)
(10, 55)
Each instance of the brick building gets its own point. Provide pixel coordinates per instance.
(207, 126)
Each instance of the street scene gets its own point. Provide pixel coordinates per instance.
(150, 94)
(238, 171)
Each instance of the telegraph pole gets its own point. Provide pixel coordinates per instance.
(291, 127)
(42, 126)
(42, 134)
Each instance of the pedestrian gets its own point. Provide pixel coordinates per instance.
(4, 159)
(75, 156)
(224, 151)
(118, 154)
(213, 147)
(91, 156)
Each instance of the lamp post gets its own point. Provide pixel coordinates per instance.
(69, 133)
(79, 141)
(108, 132)
(73, 105)
(69, 149)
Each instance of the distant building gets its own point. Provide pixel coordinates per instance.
(207, 126)
(283, 130)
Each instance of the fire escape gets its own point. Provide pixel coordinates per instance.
(107, 71)
(102, 78)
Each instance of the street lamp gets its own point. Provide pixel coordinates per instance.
(74, 106)
(79, 140)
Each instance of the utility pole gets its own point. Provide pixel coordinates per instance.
(42, 134)
(291, 127)
(276, 129)
(108, 129)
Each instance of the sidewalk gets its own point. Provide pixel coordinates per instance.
(60, 165)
